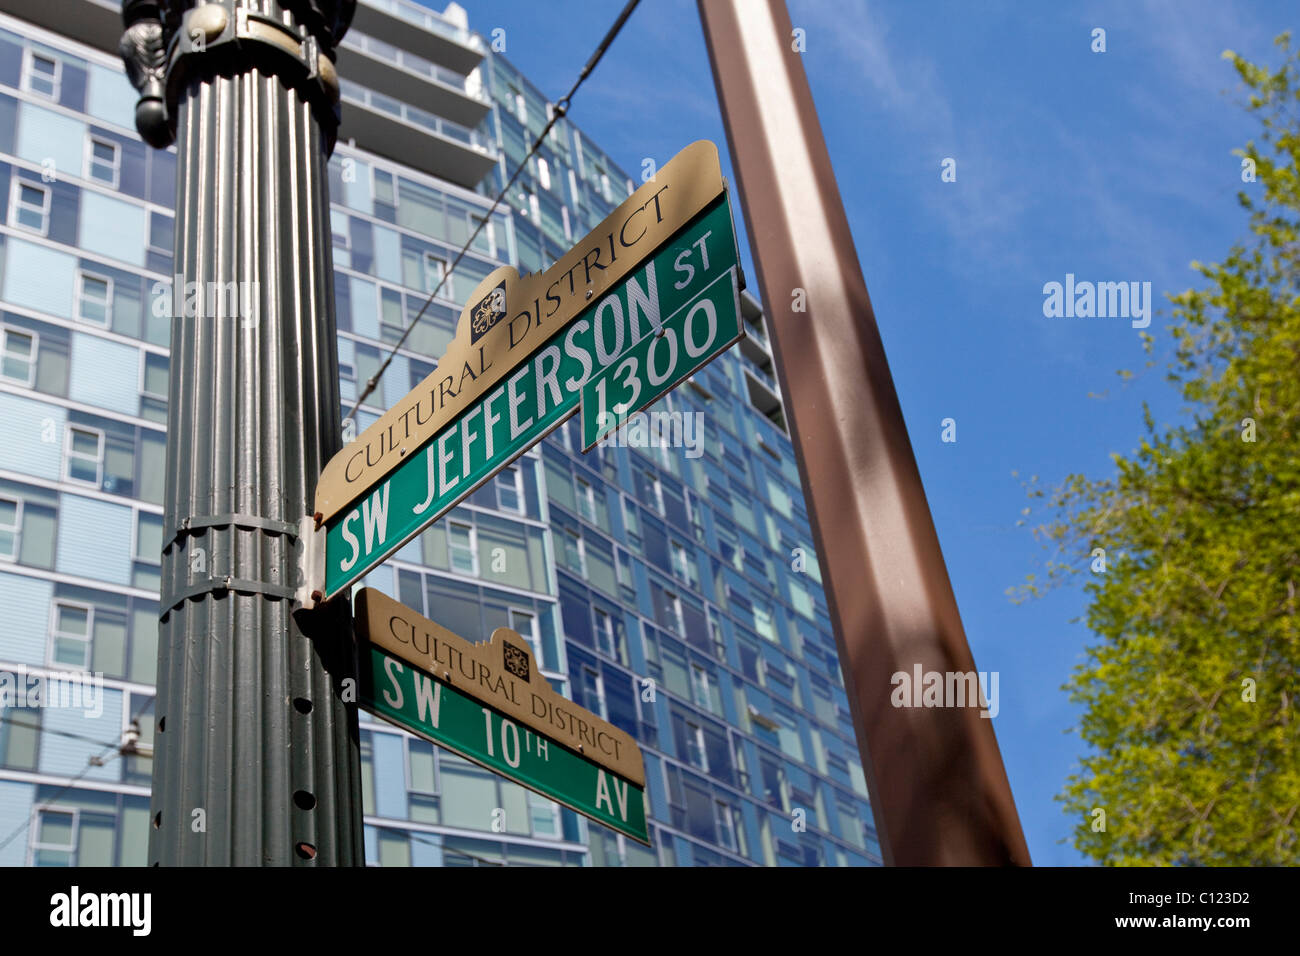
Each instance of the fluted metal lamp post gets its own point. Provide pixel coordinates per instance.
(256, 750)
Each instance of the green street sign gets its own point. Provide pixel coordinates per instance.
(690, 338)
(489, 704)
(542, 387)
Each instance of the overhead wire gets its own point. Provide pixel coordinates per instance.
(92, 762)
(560, 109)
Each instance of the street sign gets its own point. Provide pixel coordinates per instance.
(690, 338)
(490, 704)
(516, 369)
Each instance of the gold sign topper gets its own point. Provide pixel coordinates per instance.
(509, 317)
(500, 673)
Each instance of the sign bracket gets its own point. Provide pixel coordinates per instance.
(311, 562)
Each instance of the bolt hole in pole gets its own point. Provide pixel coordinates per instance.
(304, 800)
(162, 724)
(302, 705)
(305, 851)
(157, 820)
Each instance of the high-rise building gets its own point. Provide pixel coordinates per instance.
(673, 590)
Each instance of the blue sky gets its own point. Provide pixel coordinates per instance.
(1111, 166)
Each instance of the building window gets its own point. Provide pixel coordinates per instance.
(153, 375)
(695, 751)
(391, 321)
(586, 499)
(29, 206)
(423, 767)
(20, 731)
(683, 568)
(670, 611)
(103, 160)
(71, 837)
(18, 356)
(422, 781)
(749, 662)
(604, 632)
(162, 231)
(383, 184)
(27, 529)
(341, 241)
(725, 818)
(543, 173)
(545, 816)
(42, 75)
(575, 554)
(433, 270)
(565, 434)
(632, 523)
(700, 688)
(94, 298)
(510, 490)
(593, 691)
(730, 549)
(148, 537)
(524, 623)
(11, 525)
(773, 783)
(460, 548)
(366, 753)
(763, 621)
(138, 717)
(650, 490)
(54, 840)
(70, 635)
(84, 455)
(623, 568)
(486, 242)
(650, 642)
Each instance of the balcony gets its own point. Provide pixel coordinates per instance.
(96, 23)
(419, 139)
(436, 38)
(765, 398)
(388, 69)
(762, 370)
(755, 346)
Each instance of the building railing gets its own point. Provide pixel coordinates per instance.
(424, 17)
(417, 117)
(766, 377)
(411, 63)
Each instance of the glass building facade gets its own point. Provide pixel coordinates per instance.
(674, 591)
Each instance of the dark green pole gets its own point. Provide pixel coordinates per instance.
(256, 752)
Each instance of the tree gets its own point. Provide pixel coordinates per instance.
(1190, 715)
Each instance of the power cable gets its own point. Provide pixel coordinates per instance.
(560, 109)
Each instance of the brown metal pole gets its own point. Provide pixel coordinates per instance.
(934, 774)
